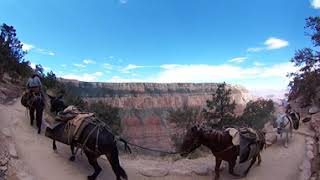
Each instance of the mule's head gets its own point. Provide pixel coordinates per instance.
(56, 104)
(191, 141)
(279, 124)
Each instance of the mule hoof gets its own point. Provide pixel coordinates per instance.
(72, 158)
(91, 178)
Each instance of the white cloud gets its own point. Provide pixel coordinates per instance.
(123, 1)
(315, 4)
(256, 63)
(88, 61)
(270, 44)
(209, 73)
(84, 77)
(275, 43)
(79, 65)
(255, 49)
(63, 65)
(33, 65)
(27, 47)
(118, 79)
(46, 68)
(98, 74)
(131, 67)
(107, 66)
(169, 66)
(238, 59)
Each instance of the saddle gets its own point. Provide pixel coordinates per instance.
(76, 120)
(249, 145)
(28, 98)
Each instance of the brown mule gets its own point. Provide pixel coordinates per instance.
(220, 144)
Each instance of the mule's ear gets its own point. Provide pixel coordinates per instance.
(51, 97)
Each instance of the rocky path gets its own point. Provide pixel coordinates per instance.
(38, 158)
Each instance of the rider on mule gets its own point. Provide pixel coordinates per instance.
(34, 100)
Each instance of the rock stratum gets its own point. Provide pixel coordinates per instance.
(144, 106)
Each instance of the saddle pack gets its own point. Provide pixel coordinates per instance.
(76, 120)
(247, 139)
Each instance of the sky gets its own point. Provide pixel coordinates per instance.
(247, 42)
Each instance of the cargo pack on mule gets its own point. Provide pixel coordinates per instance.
(76, 122)
(249, 140)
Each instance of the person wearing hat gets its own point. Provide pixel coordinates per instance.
(34, 84)
(34, 87)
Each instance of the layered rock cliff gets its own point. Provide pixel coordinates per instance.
(144, 106)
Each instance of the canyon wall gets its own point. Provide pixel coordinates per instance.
(144, 106)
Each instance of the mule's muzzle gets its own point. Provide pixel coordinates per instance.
(279, 130)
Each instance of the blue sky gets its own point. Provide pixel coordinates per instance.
(244, 42)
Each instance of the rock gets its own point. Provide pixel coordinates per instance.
(3, 168)
(180, 172)
(310, 155)
(309, 148)
(12, 151)
(201, 170)
(154, 172)
(314, 110)
(21, 175)
(271, 139)
(310, 142)
(313, 178)
(6, 132)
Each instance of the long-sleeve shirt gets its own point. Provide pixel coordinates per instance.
(34, 82)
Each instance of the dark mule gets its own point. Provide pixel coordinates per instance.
(95, 140)
(221, 146)
(35, 102)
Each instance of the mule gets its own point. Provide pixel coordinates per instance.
(221, 146)
(95, 141)
(35, 102)
(286, 123)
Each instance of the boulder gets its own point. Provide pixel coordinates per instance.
(310, 155)
(180, 172)
(12, 150)
(201, 170)
(314, 110)
(154, 172)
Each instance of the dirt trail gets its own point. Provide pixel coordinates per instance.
(44, 164)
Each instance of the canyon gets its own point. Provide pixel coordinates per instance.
(144, 106)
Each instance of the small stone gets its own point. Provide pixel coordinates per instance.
(201, 170)
(314, 110)
(310, 154)
(313, 178)
(3, 168)
(6, 132)
(154, 172)
(12, 151)
(310, 142)
(309, 148)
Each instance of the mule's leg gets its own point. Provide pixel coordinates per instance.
(31, 114)
(252, 162)
(259, 159)
(92, 158)
(39, 113)
(286, 140)
(232, 164)
(73, 157)
(113, 158)
(54, 146)
(217, 168)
